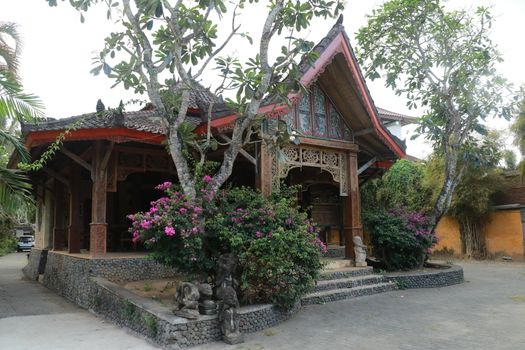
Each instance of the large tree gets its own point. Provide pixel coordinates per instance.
(443, 61)
(474, 196)
(178, 40)
(15, 106)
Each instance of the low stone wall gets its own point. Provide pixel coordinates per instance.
(442, 277)
(152, 319)
(69, 276)
(36, 263)
(92, 284)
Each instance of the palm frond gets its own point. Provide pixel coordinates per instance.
(16, 104)
(7, 52)
(16, 144)
(14, 186)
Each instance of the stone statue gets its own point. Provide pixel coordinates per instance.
(187, 299)
(206, 305)
(359, 251)
(228, 302)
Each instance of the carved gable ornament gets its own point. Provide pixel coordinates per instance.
(334, 162)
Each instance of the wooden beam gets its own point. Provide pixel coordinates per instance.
(242, 151)
(76, 158)
(105, 160)
(363, 132)
(366, 165)
(57, 176)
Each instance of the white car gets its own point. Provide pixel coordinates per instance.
(25, 243)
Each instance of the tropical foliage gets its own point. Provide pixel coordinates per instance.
(444, 62)
(474, 196)
(402, 240)
(15, 106)
(395, 216)
(277, 246)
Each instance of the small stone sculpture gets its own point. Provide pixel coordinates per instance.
(206, 305)
(187, 299)
(359, 251)
(228, 302)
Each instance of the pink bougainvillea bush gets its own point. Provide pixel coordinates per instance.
(278, 248)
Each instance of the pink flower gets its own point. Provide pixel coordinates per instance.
(207, 179)
(136, 237)
(183, 211)
(153, 210)
(169, 231)
(164, 186)
(197, 210)
(145, 224)
(288, 221)
(259, 234)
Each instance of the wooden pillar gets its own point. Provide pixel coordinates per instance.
(352, 207)
(74, 211)
(98, 226)
(59, 230)
(264, 178)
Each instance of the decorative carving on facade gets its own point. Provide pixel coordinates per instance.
(333, 162)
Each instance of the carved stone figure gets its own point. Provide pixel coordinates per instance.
(359, 251)
(206, 305)
(228, 302)
(187, 299)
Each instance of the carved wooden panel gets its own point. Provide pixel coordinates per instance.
(333, 162)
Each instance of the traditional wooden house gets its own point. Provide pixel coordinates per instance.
(110, 163)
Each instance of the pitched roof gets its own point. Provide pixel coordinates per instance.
(145, 120)
(394, 116)
(201, 97)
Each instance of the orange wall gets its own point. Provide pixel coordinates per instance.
(504, 235)
(448, 233)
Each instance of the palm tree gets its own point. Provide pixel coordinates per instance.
(15, 106)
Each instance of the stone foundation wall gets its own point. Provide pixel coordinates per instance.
(427, 279)
(152, 319)
(36, 263)
(92, 284)
(69, 276)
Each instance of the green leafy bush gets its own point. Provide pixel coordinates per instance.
(277, 246)
(403, 240)
(7, 244)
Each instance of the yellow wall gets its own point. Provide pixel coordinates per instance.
(448, 234)
(504, 235)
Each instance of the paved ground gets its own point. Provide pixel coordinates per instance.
(486, 312)
(32, 317)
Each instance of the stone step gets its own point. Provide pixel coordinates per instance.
(335, 251)
(332, 264)
(332, 274)
(346, 293)
(348, 282)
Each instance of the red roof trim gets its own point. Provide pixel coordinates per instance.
(228, 121)
(115, 134)
(340, 44)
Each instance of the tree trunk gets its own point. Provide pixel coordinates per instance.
(472, 233)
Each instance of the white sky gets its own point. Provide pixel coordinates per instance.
(58, 51)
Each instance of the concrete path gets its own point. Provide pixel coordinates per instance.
(32, 317)
(486, 312)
